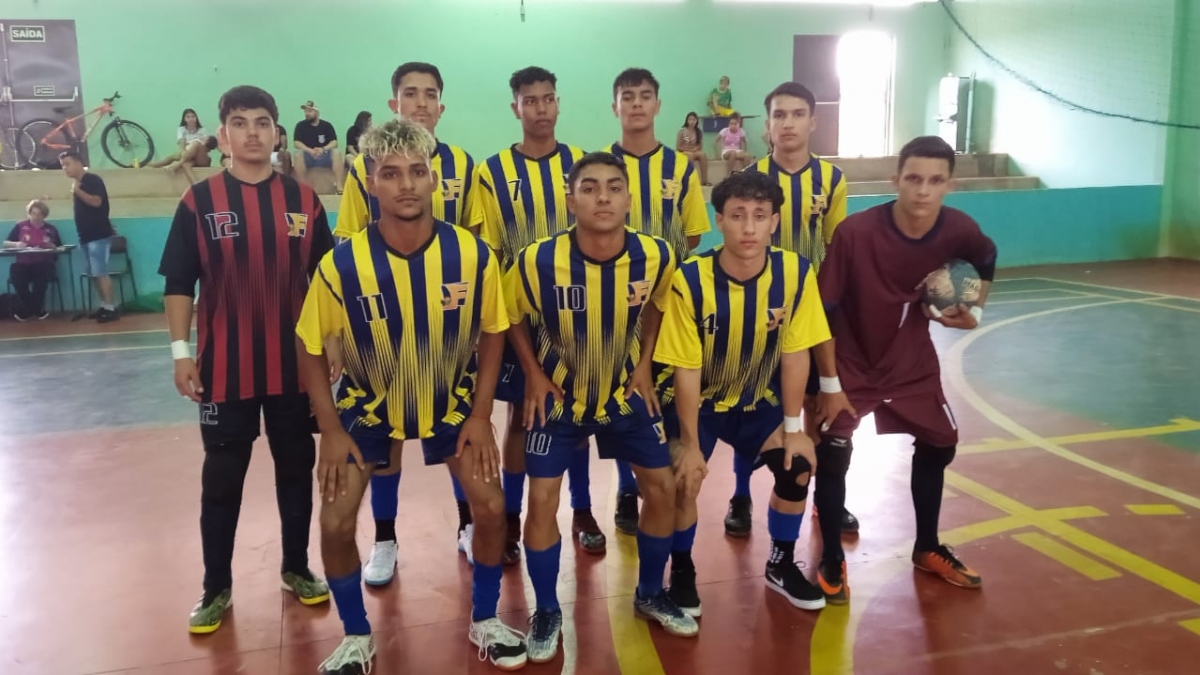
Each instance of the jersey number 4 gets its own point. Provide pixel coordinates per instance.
(709, 324)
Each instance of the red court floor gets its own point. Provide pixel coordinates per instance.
(1075, 494)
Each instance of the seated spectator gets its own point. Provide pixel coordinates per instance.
(731, 144)
(690, 141)
(317, 144)
(194, 145)
(361, 124)
(720, 101)
(31, 273)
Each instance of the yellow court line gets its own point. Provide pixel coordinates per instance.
(636, 653)
(958, 380)
(1108, 288)
(1159, 303)
(1177, 425)
(1154, 509)
(1192, 625)
(1066, 556)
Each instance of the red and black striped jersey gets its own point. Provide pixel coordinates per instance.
(253, 248)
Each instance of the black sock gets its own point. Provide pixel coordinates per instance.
(781, 552)
(681, 561)
(464, 515)
(928, 478)
(830, 497)
(385, 530)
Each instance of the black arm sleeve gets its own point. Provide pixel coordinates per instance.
(981, 252)
(181, 256)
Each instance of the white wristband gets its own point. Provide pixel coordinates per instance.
(792, 425)
(977, 312)
(180, 350)
(830, 385)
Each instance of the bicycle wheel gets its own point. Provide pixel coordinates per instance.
(127, 144)
(43, 144)
(12, 141)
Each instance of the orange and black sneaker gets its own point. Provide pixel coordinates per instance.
(831, 577)
(942, 562)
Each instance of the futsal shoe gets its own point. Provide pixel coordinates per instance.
(503, 646)
(849, 522)
(663, 610)
(381, 566)
(788, 580)
(740, 517)
(352, 657)
(683, 591)
(942, 562)
(545, 629)
(626, 517)
(308, 589)
(512, 541)
(464, 542)
(587, 532)
(831, 576)
(206, 616)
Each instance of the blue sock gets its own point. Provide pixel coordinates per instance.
(543, 573)
(485, 591)
(385, 496)
(684, 539)
(459, 495)
(348, 596)
(652, 561)
(783, 526)
(514, 491)
(743, 467)
(626, 482)
(579, 479)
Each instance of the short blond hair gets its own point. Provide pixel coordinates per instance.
(397, 137)
(40, 205)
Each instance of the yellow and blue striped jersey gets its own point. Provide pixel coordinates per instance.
(409, 325)
(734, 331)
(451, 201)
(667, 200)
(814, 204)
(524, 199)
(587, 315)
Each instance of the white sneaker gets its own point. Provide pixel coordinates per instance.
(355, 650)
(464, 542)
(504, 646)
(381, 566)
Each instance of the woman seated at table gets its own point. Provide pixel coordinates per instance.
(33, 269)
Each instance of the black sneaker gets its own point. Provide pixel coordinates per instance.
(683, 592)
(512, 543)
(787, 579)
(107, 316)
(626, 517)
(587, 532)
(849, 523)
(739, 517)
(43, 316)
(18, 317)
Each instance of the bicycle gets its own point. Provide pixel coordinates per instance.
(40, 141)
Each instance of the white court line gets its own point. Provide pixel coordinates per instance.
(66, 352)
(1109, 288)
(1017, 301)
(993, 294)
(82, 335)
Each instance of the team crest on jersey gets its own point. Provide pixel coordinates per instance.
(452, 189)
(297, 224)
(639, 293)
(671, 188)
(454, 295)
(222, 225)
(775, 317)
(820, 204)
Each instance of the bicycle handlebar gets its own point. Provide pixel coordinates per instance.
(116, 95)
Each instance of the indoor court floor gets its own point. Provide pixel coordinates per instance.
(1076, 494)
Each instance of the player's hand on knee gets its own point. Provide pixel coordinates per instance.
(798, 445)
(955, 316)
(537, 388)
(187, 379)
(332, 469)
(479, 438)
(829, 406)
(690, 471)
(642, 381)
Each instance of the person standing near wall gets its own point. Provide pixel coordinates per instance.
(94, 228)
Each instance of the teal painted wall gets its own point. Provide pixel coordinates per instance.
(176, 54)
(1111, 55)
(1029, 227)
(1181, 200)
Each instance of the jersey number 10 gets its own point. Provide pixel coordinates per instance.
(571, 298)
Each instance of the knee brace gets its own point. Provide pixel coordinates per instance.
(787, 485)
(833, 456)
(932, 456)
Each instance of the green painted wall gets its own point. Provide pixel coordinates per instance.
(165, 56)
(1181, 199)
(1111, 55)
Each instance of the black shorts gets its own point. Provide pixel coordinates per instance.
(240, 421)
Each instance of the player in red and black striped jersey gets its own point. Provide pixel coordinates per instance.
(252, 238)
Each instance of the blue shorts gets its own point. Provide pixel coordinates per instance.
(510, 386)
(637, 438)
(325, 161)
(375, 443)
(95, 255)
(745, 431)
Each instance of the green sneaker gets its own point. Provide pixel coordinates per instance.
(308, 589)
(206, 618)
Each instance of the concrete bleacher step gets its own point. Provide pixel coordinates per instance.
(982, 184)
(868, 169)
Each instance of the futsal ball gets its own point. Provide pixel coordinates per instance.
(955, 283)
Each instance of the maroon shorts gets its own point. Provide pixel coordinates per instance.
(927, 417)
